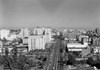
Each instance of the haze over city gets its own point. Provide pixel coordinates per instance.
(54, 13)
(49, 34)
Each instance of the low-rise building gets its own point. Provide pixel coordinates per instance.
(4, 33)
(95, 49)
(76, 46)
(72, 35)
(86, 38)
(83, 39)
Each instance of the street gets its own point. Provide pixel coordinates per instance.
(54, 62)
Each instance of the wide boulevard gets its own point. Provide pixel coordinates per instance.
(55, 60)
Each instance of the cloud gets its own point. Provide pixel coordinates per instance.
(51, 6)
(61, 13)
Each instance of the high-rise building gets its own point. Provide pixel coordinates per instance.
(39, 31)
(44, 31)
(1, 46)
(48, 34)
(24, 32)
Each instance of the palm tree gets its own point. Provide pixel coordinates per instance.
(6, 52)
(14, 51)
(7, 59)
(2, 51)
(97, 30)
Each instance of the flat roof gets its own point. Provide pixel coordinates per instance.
(74, 43)
(78, 45)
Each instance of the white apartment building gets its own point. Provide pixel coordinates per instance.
(86, 38)
(1, 46)
(39, 31)
(36, 42)
(4, 33)
(25, 40)
(12, 37)
(48, 34)
(24, 32)
(44, 31)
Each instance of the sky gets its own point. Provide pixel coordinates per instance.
(54, 13)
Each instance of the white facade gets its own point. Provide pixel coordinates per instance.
(48, 33)
(44, 31)
(4, 33)
(25, 40)
(76, 46)
(97, 50)
(12, 37)
(1, 46)
(36, 42)
(7, 35)
(24, 33)
(75, 49)
(86, 38)
(38, 31)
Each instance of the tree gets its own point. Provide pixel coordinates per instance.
(4, 40)
(71, 59)
(1, 60)
(66, 49)
(14, 52)
(76, 53)
(94, 61)
(31, 63)
(6, 52)
(8, 62)
(19, 40)
(21, 61)
(2, 51)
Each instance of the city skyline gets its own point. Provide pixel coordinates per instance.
(53, 13)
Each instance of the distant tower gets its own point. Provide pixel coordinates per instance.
(82, 40)
(97, 30)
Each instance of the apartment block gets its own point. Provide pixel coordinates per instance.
(4, 33)
(24, 32)
(36, 42)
